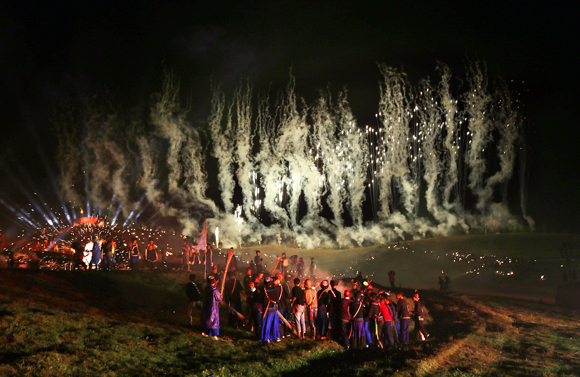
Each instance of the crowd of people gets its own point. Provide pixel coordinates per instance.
(292, 302)
(281, 305)
(287, 265)
(100, 253)
(97, 253)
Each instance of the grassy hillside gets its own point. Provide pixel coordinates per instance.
(55, 323)
(519, 264)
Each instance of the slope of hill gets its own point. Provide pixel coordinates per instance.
(518, 264)
(134, 323)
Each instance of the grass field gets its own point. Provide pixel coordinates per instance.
(134, 323)
(516, 264)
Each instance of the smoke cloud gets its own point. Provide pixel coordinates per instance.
(438, 162)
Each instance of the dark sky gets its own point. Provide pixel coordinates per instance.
(52, 50)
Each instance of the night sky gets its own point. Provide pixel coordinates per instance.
(54, 50)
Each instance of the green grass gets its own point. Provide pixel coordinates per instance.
(135, 323)
(475, 263)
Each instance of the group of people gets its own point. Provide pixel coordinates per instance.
(191, 256)
(153, 255)
(292, 265)
(356, 318)
(98, 253)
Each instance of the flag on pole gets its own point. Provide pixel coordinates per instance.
(202, 240)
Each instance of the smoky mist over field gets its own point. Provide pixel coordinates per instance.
(270, 167)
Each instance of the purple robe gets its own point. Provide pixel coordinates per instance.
(96, 258)
(211, 304)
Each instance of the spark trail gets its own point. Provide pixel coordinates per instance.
(438, 161)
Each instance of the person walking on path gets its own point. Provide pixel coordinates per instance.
(388, 327)
(284, 262)
(392, 279)
(376, 320)
(344, 316)
(419, 319)
(270, 320)
(311, 305)
(257, 298)
(151, 254)
(357, 332)
(210, 318)
(232, 295)
(185, 256)
(96, 257)
(335, 300)
(108, 251)
(134, 254)
(298, 308)
(258, 262)
(312, 268)
(284, 306)
(323, 298)
(404, 318)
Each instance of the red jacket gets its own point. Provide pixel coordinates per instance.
(386, 312)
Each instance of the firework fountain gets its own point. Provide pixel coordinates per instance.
(437, 162)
